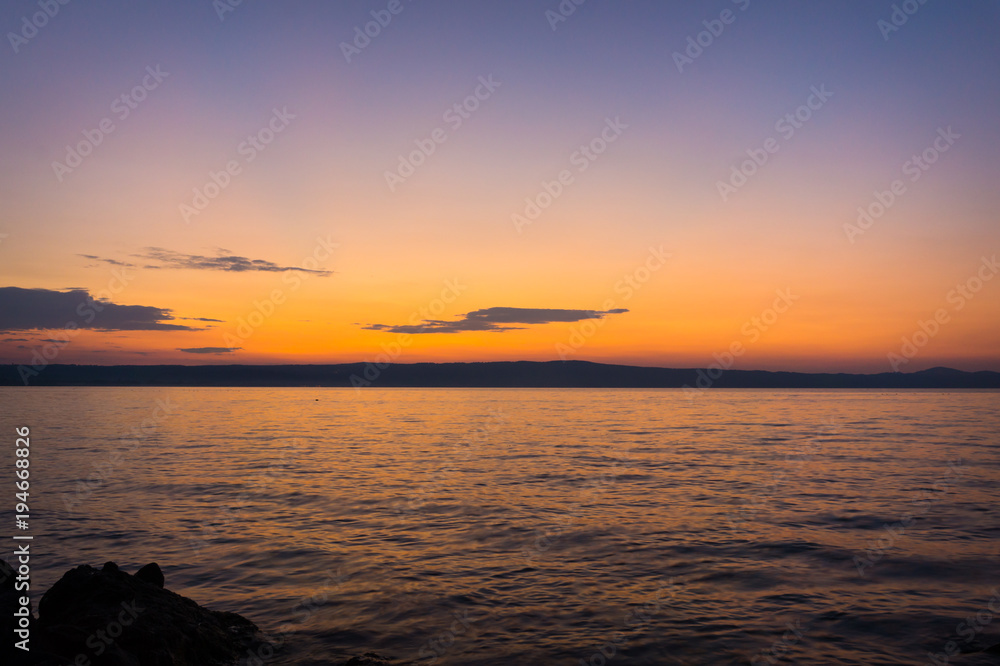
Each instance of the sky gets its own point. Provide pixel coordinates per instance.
(779, 186)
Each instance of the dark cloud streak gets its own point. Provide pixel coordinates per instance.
(45, 309)
(224, 261)
(229, 263)
(113, 262)
(496, 320)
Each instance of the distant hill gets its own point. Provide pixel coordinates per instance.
(524, 374)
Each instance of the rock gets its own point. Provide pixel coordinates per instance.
(114, 619)
(6, 577)
(368, 659)
(151, 574)
(106, 617)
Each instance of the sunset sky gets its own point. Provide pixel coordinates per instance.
(246, 196)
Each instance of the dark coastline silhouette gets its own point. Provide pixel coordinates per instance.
(508, 374)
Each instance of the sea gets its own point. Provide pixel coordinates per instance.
(541, 526)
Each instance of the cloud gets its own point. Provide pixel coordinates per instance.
(224, 261)
(210, 350)
(496, 320)
(229, 263)
(45, 309)
(221, 321)
(113, 262)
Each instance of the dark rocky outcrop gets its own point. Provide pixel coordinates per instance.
(151, 574)
(368, 659)
(106, 617)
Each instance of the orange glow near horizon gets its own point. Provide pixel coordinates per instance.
(317, 197)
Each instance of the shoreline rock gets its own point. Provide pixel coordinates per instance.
(93, 617)
(107, 617)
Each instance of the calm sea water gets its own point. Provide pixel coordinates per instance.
(481, 526)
